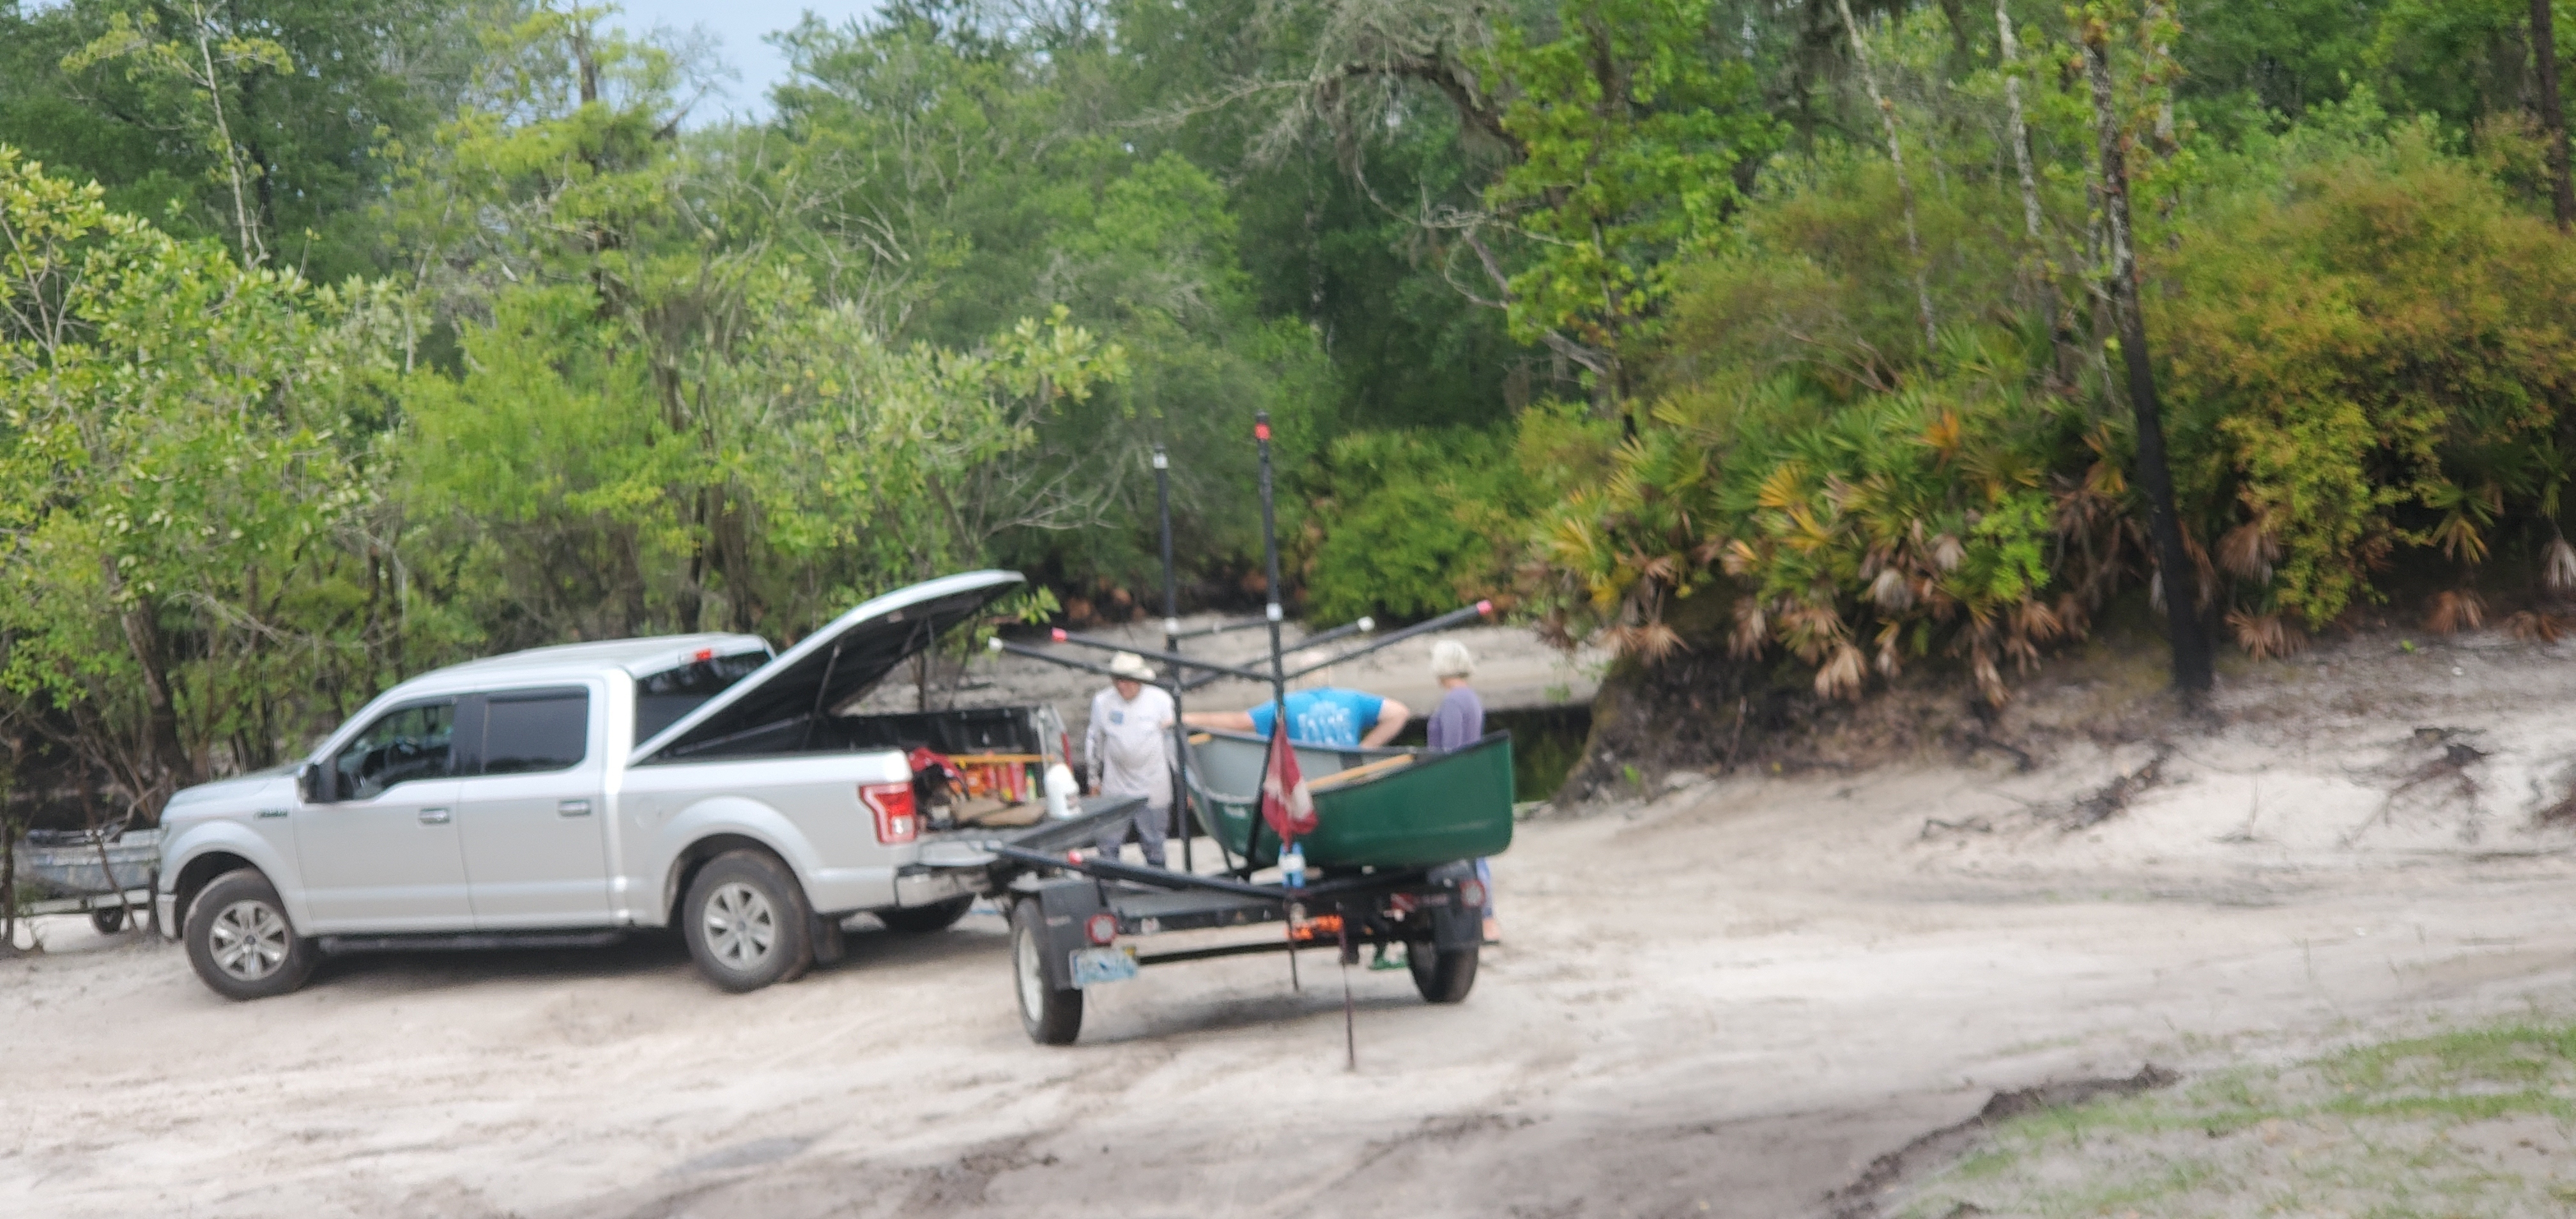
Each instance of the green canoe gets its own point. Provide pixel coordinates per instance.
(1433, 809)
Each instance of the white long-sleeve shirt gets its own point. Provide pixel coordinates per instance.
(1128, 747)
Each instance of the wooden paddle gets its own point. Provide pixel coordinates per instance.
(1357, 773)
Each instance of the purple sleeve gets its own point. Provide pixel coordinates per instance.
(1457, 723)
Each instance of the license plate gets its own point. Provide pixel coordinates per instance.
(1093, 966)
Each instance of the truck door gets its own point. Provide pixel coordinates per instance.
(382, 853)
(531, 807)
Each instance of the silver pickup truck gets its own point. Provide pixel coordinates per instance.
(564, 795)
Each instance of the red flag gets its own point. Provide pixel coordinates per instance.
(1285, 801)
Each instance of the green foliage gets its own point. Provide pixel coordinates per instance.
(1420, 522)
(2371, 350)
(640, 371)
(958, 185)
(117, 91)
(1630, 124)
(193, 544)
(665, 424)
(2283, 57)
(1857, 533)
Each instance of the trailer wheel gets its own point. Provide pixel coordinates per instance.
(1442, 975)
(746, 922)
(1051, 1016)
(922, 920)
(240, 942)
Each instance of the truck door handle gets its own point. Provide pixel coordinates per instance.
(433, 816)
(572, 808)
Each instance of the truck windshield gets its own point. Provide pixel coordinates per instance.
(662, 698)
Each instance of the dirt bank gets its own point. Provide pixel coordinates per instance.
(1728, 1001)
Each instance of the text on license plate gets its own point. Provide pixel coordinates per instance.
(1092, 966)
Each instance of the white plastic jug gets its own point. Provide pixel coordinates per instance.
(1060, 790)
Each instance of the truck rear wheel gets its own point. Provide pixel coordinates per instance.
(939, 916)
(240, 942)
(746, 922)
(1443, 975)
(1051, 1016)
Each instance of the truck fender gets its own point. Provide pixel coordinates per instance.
(719, 817)
(202, 842)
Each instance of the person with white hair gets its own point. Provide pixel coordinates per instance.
(1128, 752)
(1459, 721)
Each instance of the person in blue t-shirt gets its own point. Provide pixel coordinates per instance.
(1328, 716)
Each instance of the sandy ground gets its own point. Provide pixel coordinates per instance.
(1725, 1001)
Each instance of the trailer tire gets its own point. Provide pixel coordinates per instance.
(746, 922)
(240, 942)
(922, 920)
(1051, 1016)
(1442, 975)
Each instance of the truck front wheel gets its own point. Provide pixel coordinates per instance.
(240, 942)
(1443, 975)
(1051, 1016)
(746, 922)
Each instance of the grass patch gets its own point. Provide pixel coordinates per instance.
(2477, 1122)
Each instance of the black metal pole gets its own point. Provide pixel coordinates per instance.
(1172, 643)
(1219, 628)
(1454, 617)
(1443, 622)
(1061, 635)
(1278, 668)
(1312, 641)
(1350, 1022)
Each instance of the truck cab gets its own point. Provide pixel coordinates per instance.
(569, 794)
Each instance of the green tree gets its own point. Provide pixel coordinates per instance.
(128, 92)
(1630, 124)
(661, 421)
(186, 511)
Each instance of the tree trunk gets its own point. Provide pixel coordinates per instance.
(1904, 185)
(168, 766)
(2191, 660)
(2553, 119)
(8, 885)
(2020, 130)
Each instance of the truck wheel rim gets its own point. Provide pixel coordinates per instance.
(249, 940)
(740, 925)
(1032, 980)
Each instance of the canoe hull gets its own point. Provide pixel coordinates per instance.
(1443, 807)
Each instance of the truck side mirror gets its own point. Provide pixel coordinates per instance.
(308, 784)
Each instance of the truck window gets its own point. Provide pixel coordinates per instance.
(406, 743)
(533, 731)
(662, 698)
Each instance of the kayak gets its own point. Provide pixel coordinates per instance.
(1379, 808)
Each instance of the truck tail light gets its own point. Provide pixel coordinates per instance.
(892, 803)
(1101, 928)
(1471, 893)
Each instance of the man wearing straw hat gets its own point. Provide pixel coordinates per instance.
(1128, 751)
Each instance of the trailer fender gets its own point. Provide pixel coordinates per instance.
(1454, 923)
(1063, 907)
